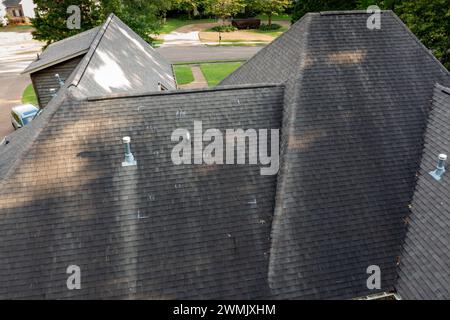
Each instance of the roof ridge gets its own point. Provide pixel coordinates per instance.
(263, 50)
(286, 129)
(79, 73)
(346, 12)
(74, 36)
(184, 91)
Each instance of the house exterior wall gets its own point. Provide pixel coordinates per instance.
(2, 14)
(28, 8)
(2, 10)
(44, 80)
(15, 14)
(20, 13)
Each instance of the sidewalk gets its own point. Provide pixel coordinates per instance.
(181, 39)
(199, 79)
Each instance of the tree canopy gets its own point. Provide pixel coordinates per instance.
(429, 20)
(51, 16)
(272, 7)
(224, 8)
(50, 21)
(302, 7)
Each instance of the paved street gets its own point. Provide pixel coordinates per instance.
(17, 50)
(204, 53)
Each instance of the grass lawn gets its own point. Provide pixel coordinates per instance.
(273, 33)
(173, 23)
(183, 74)
(275, 18)
(216, 72)
(16, 28)
(156, 43)
(29, 96)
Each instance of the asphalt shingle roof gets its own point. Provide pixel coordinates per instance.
(425, 259)
(15, 145)
(152, 231)
(352, 104)
(356, 107)
(64, 50)
(116, 60)
(11, 3)
(120, 61)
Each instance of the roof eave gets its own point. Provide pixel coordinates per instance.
(54, 62)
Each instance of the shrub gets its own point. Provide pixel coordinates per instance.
(272, 27)
(223, 29)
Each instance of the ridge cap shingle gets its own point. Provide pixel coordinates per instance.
(306, 20)
(180, 92)
(79, 72)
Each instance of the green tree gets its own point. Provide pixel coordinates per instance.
(224, 8)
(429, 20)
(383, 4)
(51, 16)
(50, 22)
(162, 6)
(302, 7)
(272, 7)
(140, 15)
(190, 6)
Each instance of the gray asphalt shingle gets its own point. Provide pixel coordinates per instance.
(423, 272)
(152, 231)
(11, 3)
(115, 60)
(120, 61)
(64, 50)
(356, 107)
(353, 106)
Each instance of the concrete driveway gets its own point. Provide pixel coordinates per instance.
(181, 39)
(17, 50)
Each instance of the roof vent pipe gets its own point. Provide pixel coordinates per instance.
(440, 169)
(60, 81)
(52, 92)
(129, 158)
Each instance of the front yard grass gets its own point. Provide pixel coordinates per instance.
(173, 24)
(157, 42)
(183, 74)
(273, 33)
(279, 17)
(29, 96)
(216, 72)
(16, 28)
